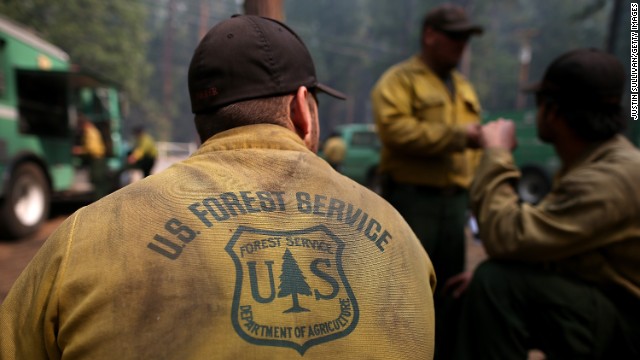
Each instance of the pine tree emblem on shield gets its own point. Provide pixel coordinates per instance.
(290, 289)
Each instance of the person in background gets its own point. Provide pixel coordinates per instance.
(92, 151)
(252, 248)
(334, 150)
(428, 119)
(563, 275)
(144, 154)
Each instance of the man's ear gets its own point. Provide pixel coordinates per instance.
(301, 115)
(428, 36)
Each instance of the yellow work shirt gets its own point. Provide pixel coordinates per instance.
(92, 143)
(145, 147)
(422, 127)
(252, 248)
(587, 226)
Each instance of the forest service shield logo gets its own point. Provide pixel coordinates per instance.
(290, 288)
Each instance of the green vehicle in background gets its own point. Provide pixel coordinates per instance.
(536, 160)
(41, 94)
(362, 154)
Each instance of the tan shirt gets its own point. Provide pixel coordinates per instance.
(422, 127)
(252, 248)
(588, 225)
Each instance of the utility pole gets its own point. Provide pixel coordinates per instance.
(268, 8)
(167, 56)
(612, 34)
(525, 62)
(203, 22)
(465, 62)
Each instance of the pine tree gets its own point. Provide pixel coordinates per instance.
(292, 282)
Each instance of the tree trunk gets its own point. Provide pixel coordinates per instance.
(268, 8)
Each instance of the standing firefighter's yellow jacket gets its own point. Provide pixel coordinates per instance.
(422, 127)
(252, 248)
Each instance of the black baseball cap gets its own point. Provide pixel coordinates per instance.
(586, 76)
(248, 57)
(451, 18)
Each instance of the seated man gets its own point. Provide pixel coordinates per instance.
(562, 276)
(144, 154)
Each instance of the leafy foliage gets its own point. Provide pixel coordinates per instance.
(145, 44)
(106, 37)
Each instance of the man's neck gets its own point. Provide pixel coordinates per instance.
(442, 72)
(570, 150)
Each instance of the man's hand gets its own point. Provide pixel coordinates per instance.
(458, 284)
(77, 150)
(474, 136)
(499, 134)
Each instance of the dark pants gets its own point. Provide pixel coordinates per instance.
(98, 176)
(511, 308)
(145, 164)
(438, 219)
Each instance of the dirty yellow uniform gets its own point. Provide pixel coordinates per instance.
(145, 147)
(587, 227)
(252, 248)
(92, 144)
(94, 150)
(422, 127)
(427, 165)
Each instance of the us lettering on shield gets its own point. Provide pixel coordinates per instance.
(290, 287)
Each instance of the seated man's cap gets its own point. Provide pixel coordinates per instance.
(451, 18)
(585, 76)
(248, 57)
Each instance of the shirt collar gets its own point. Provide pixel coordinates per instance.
(260, 136)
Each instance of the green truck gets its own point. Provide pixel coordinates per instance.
(41, 95)
(362, 154)
(536, 160)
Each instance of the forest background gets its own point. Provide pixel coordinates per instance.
(145, 46)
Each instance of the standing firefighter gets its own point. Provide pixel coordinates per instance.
(144, 154)
(428, 118)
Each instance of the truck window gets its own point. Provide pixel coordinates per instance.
(365, 139)
(42, 103)
(94, 104)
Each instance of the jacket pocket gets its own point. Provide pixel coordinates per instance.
(430, 108)
(472, 107)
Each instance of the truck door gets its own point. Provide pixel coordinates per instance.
(43, 108)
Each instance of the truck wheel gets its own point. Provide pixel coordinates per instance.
(27, 201)
(534, 184)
